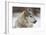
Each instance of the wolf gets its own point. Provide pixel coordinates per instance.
(25, 19)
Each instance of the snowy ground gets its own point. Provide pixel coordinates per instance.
(37, 25)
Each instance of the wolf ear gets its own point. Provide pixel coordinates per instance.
(25, 13)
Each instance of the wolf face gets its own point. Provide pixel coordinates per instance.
(29, 16)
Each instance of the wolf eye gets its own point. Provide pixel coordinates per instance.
(30, 16)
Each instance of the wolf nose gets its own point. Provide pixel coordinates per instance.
(35, 21)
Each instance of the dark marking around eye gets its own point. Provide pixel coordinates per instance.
(30, 16)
